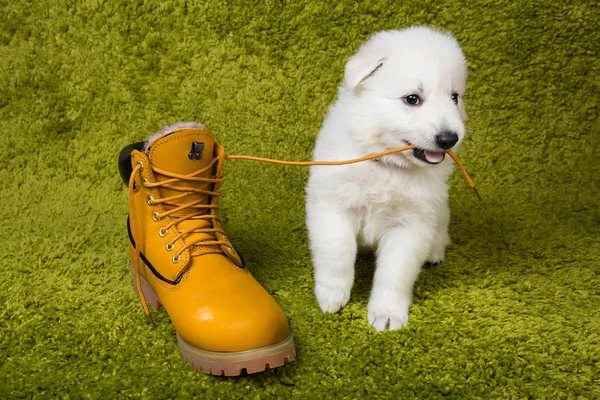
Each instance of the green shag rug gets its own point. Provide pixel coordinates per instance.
(514, 312)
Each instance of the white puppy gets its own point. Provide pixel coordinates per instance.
(400, 88)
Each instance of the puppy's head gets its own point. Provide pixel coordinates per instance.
(405, 88)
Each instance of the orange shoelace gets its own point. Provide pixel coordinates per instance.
(221, 244)
(356, 160)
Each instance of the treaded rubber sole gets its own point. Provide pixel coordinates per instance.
(227, 363)
(236, 363)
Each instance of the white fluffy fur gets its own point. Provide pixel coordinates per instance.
(397, 205)
(171, 128)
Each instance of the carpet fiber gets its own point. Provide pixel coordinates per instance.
(514, 312)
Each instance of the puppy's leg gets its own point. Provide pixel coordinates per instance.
(442, 238)
(333, 246)
(401, 253)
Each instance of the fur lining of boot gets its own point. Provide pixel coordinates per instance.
(171, 128)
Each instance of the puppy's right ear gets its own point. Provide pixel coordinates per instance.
(361, 66)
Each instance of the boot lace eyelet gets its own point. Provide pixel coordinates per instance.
(155, 216)
(149, 200)
(162, 232)
(175, 259)
(170, 246)
(141, 164)
(229, 250)
(144, 181)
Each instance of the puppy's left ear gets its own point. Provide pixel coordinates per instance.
(360, 67)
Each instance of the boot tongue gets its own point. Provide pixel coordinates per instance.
(184, 152)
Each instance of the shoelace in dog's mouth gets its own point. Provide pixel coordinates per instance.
(220, 244)
(356, 160)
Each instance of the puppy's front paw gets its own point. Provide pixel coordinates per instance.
(388, 315)
(331, 299)
(431, 264)
(436, 257)
(387, 322)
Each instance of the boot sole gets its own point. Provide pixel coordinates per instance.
(227, 363)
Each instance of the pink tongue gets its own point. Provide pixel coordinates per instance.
(434, 157)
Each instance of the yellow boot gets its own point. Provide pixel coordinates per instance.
(226, 322)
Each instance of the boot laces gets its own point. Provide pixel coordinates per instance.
(197, 209)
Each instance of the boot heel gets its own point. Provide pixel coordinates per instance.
(149, 293)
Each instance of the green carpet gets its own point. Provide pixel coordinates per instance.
(513, 313)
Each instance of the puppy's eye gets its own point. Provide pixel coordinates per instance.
(455, 98)
(412, 99)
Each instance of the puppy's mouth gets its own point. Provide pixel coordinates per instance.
(428, 156)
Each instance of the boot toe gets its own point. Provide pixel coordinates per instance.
(216, 328)
(231, 314)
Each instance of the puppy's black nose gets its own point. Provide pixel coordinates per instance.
(446, 139)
